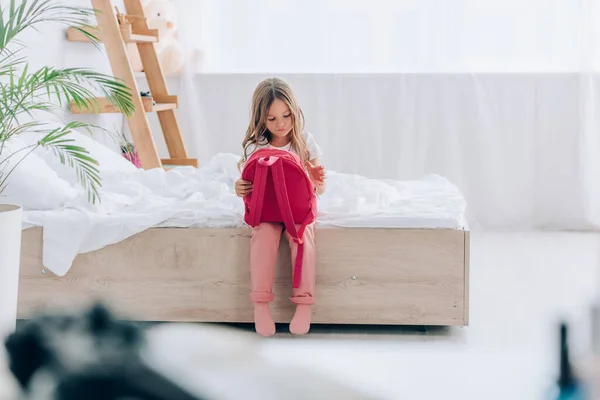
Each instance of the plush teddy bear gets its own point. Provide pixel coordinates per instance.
(161, 15)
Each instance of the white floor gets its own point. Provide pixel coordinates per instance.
(522, 284)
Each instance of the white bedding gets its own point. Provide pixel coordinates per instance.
(186, 197)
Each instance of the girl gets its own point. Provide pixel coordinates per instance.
(276, 121)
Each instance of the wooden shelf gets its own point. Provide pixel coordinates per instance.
(106, 107)
(150, 36)
(138, 38)
(179, 162)
(75, 35)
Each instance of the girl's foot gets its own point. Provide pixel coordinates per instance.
(300, 324)
(263, 322)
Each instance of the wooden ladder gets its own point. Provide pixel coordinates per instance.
(116, 32)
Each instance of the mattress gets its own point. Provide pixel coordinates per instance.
(186, 197)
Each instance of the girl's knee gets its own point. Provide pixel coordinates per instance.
(266, 229)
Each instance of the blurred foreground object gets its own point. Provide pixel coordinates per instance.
(568, 385)
(95, 355)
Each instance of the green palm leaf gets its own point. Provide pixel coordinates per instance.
(75, 156)
(61, 85)
(57, 140)
(25, 93)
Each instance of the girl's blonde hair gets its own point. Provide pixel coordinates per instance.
(257, 133)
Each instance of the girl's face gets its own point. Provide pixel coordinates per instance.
(279, 119)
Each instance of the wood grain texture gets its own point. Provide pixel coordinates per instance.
(172, 133)
(364, 276)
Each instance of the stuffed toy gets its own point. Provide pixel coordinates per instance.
(161, 15)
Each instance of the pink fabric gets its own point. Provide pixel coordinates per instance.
(263, 257)
(282, 193)
(273, 173)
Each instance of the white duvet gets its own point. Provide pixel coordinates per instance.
(186, 197)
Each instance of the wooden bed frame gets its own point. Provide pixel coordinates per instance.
(364, 276)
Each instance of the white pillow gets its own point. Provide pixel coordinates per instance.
(110, 162)
(33, 185)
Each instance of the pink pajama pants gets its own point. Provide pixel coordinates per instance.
(263, 257)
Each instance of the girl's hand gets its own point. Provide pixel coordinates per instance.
(242, 188)
(317, 174)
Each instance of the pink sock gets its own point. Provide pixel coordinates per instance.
(262, 320)
(300, 324)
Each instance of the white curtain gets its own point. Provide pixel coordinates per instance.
(499, 96)
(589, 132)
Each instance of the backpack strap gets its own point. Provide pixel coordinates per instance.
(288, 219)
(258, 193)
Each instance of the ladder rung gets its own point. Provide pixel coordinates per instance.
(75, 35)
(139, 38)
(158, 107)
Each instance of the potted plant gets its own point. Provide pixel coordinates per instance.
(25, 93)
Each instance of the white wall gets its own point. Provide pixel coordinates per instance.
(49, 47)
(392, 36)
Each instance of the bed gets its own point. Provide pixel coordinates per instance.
(396, 276)
(171, 246)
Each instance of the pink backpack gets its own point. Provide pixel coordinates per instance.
(282, 192)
